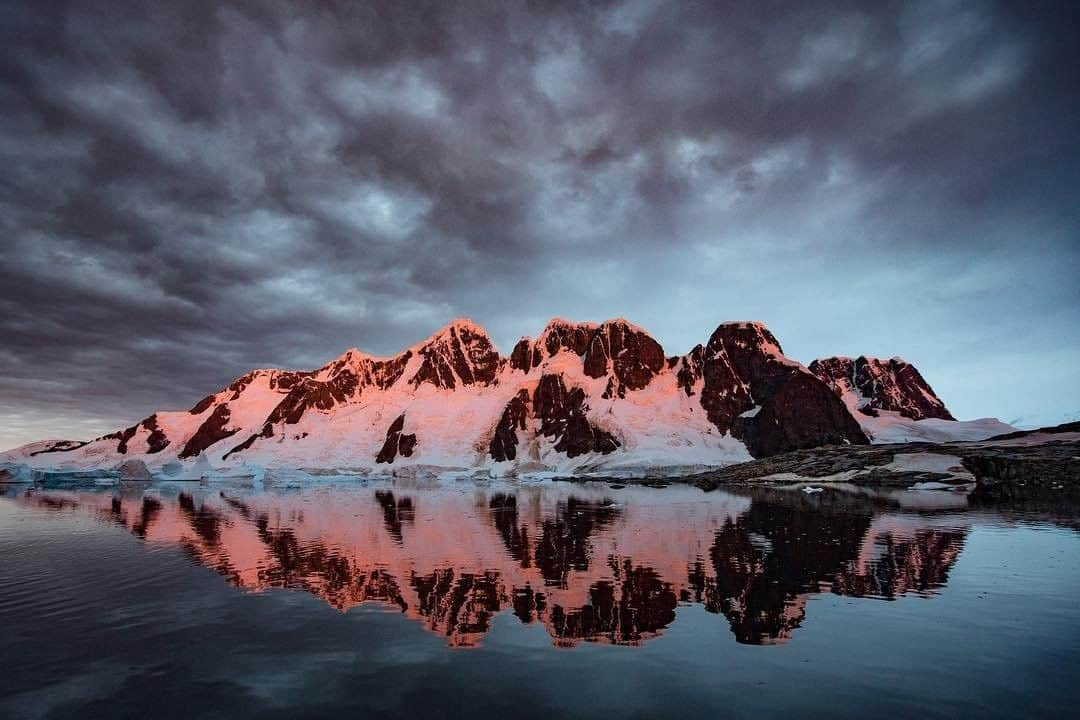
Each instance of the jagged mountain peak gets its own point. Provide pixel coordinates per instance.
(617, 349)
(458, 326)
(752, 334)
(460, 353)
(869, 385)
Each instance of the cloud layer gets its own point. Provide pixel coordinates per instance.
(189, 190)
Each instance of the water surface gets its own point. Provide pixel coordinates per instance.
(302, 597)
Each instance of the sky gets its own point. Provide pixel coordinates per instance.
(192, 190)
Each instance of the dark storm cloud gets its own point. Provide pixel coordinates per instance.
(189, 190)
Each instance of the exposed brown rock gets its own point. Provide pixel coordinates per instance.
(504, 441)
(744, 369)
(240, 384)
(562, 416)
(396, 442)
(123, 436)
(156, 441)
(562, 335)
(347, 378)
(521, 356)
(203, 405)
(690, 369)
(211, 431)
(266, 432)
(893, 384)
(615, 348)
(636, 357)
(406, 444)
(462, 349)
(596, 356)
(746, 387)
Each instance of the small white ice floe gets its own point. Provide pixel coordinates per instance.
(810, 490)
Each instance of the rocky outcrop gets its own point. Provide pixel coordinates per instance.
(461, 353)
(616, 349)
(156, 440)
(397, 442)
(689, 369)
(871, 384)
(765, 399)
(562, 416)
(211, 431)
(122, 437)
(504, 441)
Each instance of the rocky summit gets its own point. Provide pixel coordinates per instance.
(578, 398)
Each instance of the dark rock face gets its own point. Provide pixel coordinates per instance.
(798, 415)
(504, 441)
(396, 442)
(725, 395)
(744, 368)
(883, 384)
(561, 335)
(211, 431)
(631, 357)
(562, 416)
(690, 369)
(266, 432)
(635, 358)
(241, 383)
(203, 405)
(521, 356)
(461, 350)
(311, 394)
(156, 441)
(123, 436)
(1022, 469)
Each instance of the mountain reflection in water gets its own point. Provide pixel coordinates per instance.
(586, 561)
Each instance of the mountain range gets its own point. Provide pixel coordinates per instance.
(580, 397)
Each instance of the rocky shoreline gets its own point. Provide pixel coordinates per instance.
(1047, 458)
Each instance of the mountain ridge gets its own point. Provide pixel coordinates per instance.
(577, 397)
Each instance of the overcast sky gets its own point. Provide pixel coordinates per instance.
(192, 189)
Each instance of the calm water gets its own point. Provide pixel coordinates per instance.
(406, 599)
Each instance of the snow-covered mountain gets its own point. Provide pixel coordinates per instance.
(893, 403)
(579, 397)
